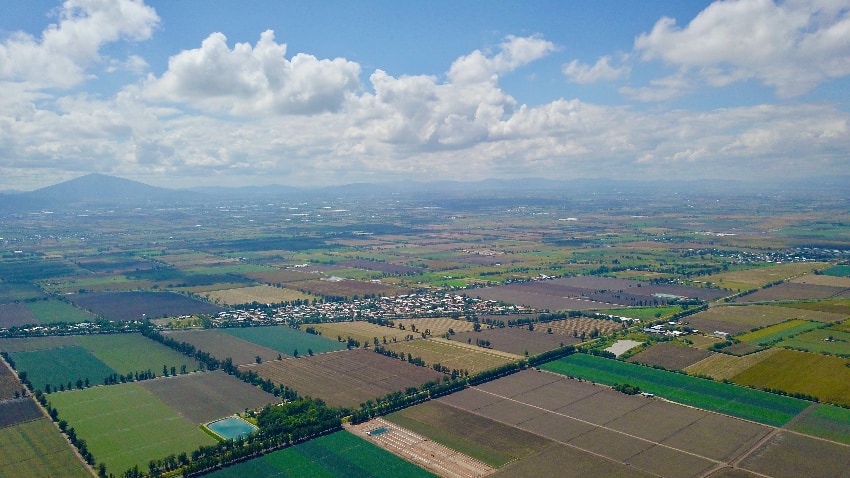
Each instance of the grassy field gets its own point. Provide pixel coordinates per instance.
(829, 340)
(134, 352)
(757, 277)
(125, 425)
(822, 376)
(36, 449)
(841, 271)
(776, 332)
(643, 313)
(51, 311)
(285, 340)
(826, 421)
(61, 366)
(736, 401)
(10, 292)
(723, 366)
(832, 306)
(339, 455)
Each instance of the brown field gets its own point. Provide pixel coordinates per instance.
(518, 340)
(263, 294)
(134, 305)
(575, 327)
(366, 332)
(670, 356)
(19, 410)
(650, 435)
(221, 345)
(723, 366)
(437, 325)
(347, 288)
(16, 314)
(458, 356)
(829, 281)
(280, 276)
(9, 383)
(757, 277)
(737, 319)
(205, 396)
(568, 462)
(346, 378)
(789, 455)
(792, 291)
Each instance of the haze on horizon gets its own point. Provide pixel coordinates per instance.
(194, 93)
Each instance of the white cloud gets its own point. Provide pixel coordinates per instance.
(134, 64)
(513, 53)
(582, 73)
(65, 50)
(790, 46)
(250, 80)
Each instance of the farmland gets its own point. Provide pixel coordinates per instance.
(133, 352)
(18, 410)
(791, 455)
(741, 402)
(453, 356)
(36, 449)
(345, 378)
(50, 311)
(61, 367)
(135, 305)
(263, 294)
(778, 332)
(517, 340)
(125, 425)
(723, 366)
(669, 356)
(738, 319)
(9, 383)
(829, 340)
(222, 345)
(285, 340)
(341, 455)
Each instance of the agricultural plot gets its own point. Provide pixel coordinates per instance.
(759, 276)
(789, 455)
(29, 344)
(347, 288)
(484, 439)
(724, 366)
(839, 307)
(577, 326)
(738, 319)
(739, 402)
(670, 356)
(221, 345)
(61, 367)
(793, 291)
(126, 425)
(643, 313)
(202, 397)
(51, 311)
(454, 356)
(438, 326)
(262, 294)
(652, 436)
(822, 376)
(396, 269)
(364, 332)
(135, 352)
(338, 455)
(346, 378)
(829, 341)
(778, 332)
(838, 271)
(826, 280)
(517, 340)
(16, 314)
(135, 305)
(18, 292)
(27, 270)
(9, 383)
(285, 340)
(280, 276)
(35, 449)
(825, 421)
(568, 462)
(18, 410)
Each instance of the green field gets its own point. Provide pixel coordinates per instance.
(777, 332)
(643, 313)
(125, 425)
(818, 341)
(826, 421)
(719, 397)
(51, 311)
(12, 291)
(135, 353)
(840, 271)
(339, 455)
(60, 366)
(36, 449)
(285, 340)
(822, 376)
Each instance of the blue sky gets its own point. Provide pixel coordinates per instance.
(309, 93)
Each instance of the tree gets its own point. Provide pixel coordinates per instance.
(258, 359)
(295, 353)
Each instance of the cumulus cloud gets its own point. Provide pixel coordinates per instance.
(513, 53)
(61, 56)
(248, 80)
(583, 73)
(790, 46)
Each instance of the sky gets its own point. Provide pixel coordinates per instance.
(321, 92)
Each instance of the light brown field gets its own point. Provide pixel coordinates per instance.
(720, 366)
(831, 281)
(753, 278)
(578, 325)
(737, 319)
(452, 355)
(263, 294)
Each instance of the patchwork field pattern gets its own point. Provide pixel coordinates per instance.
(648, 435)
(825, 421)
(61, 366)
(829, 340)
(737, 401)
(133, 352)
(670, 356)
(35, 449)
(263, 294)
(777, 332)
(125, 425)
(460, 356)
(789, 455)
(205, 396)
(738, 319)
(724, 366)
(285, 340)
(794, 291)
(346, 378)
(221, 345)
